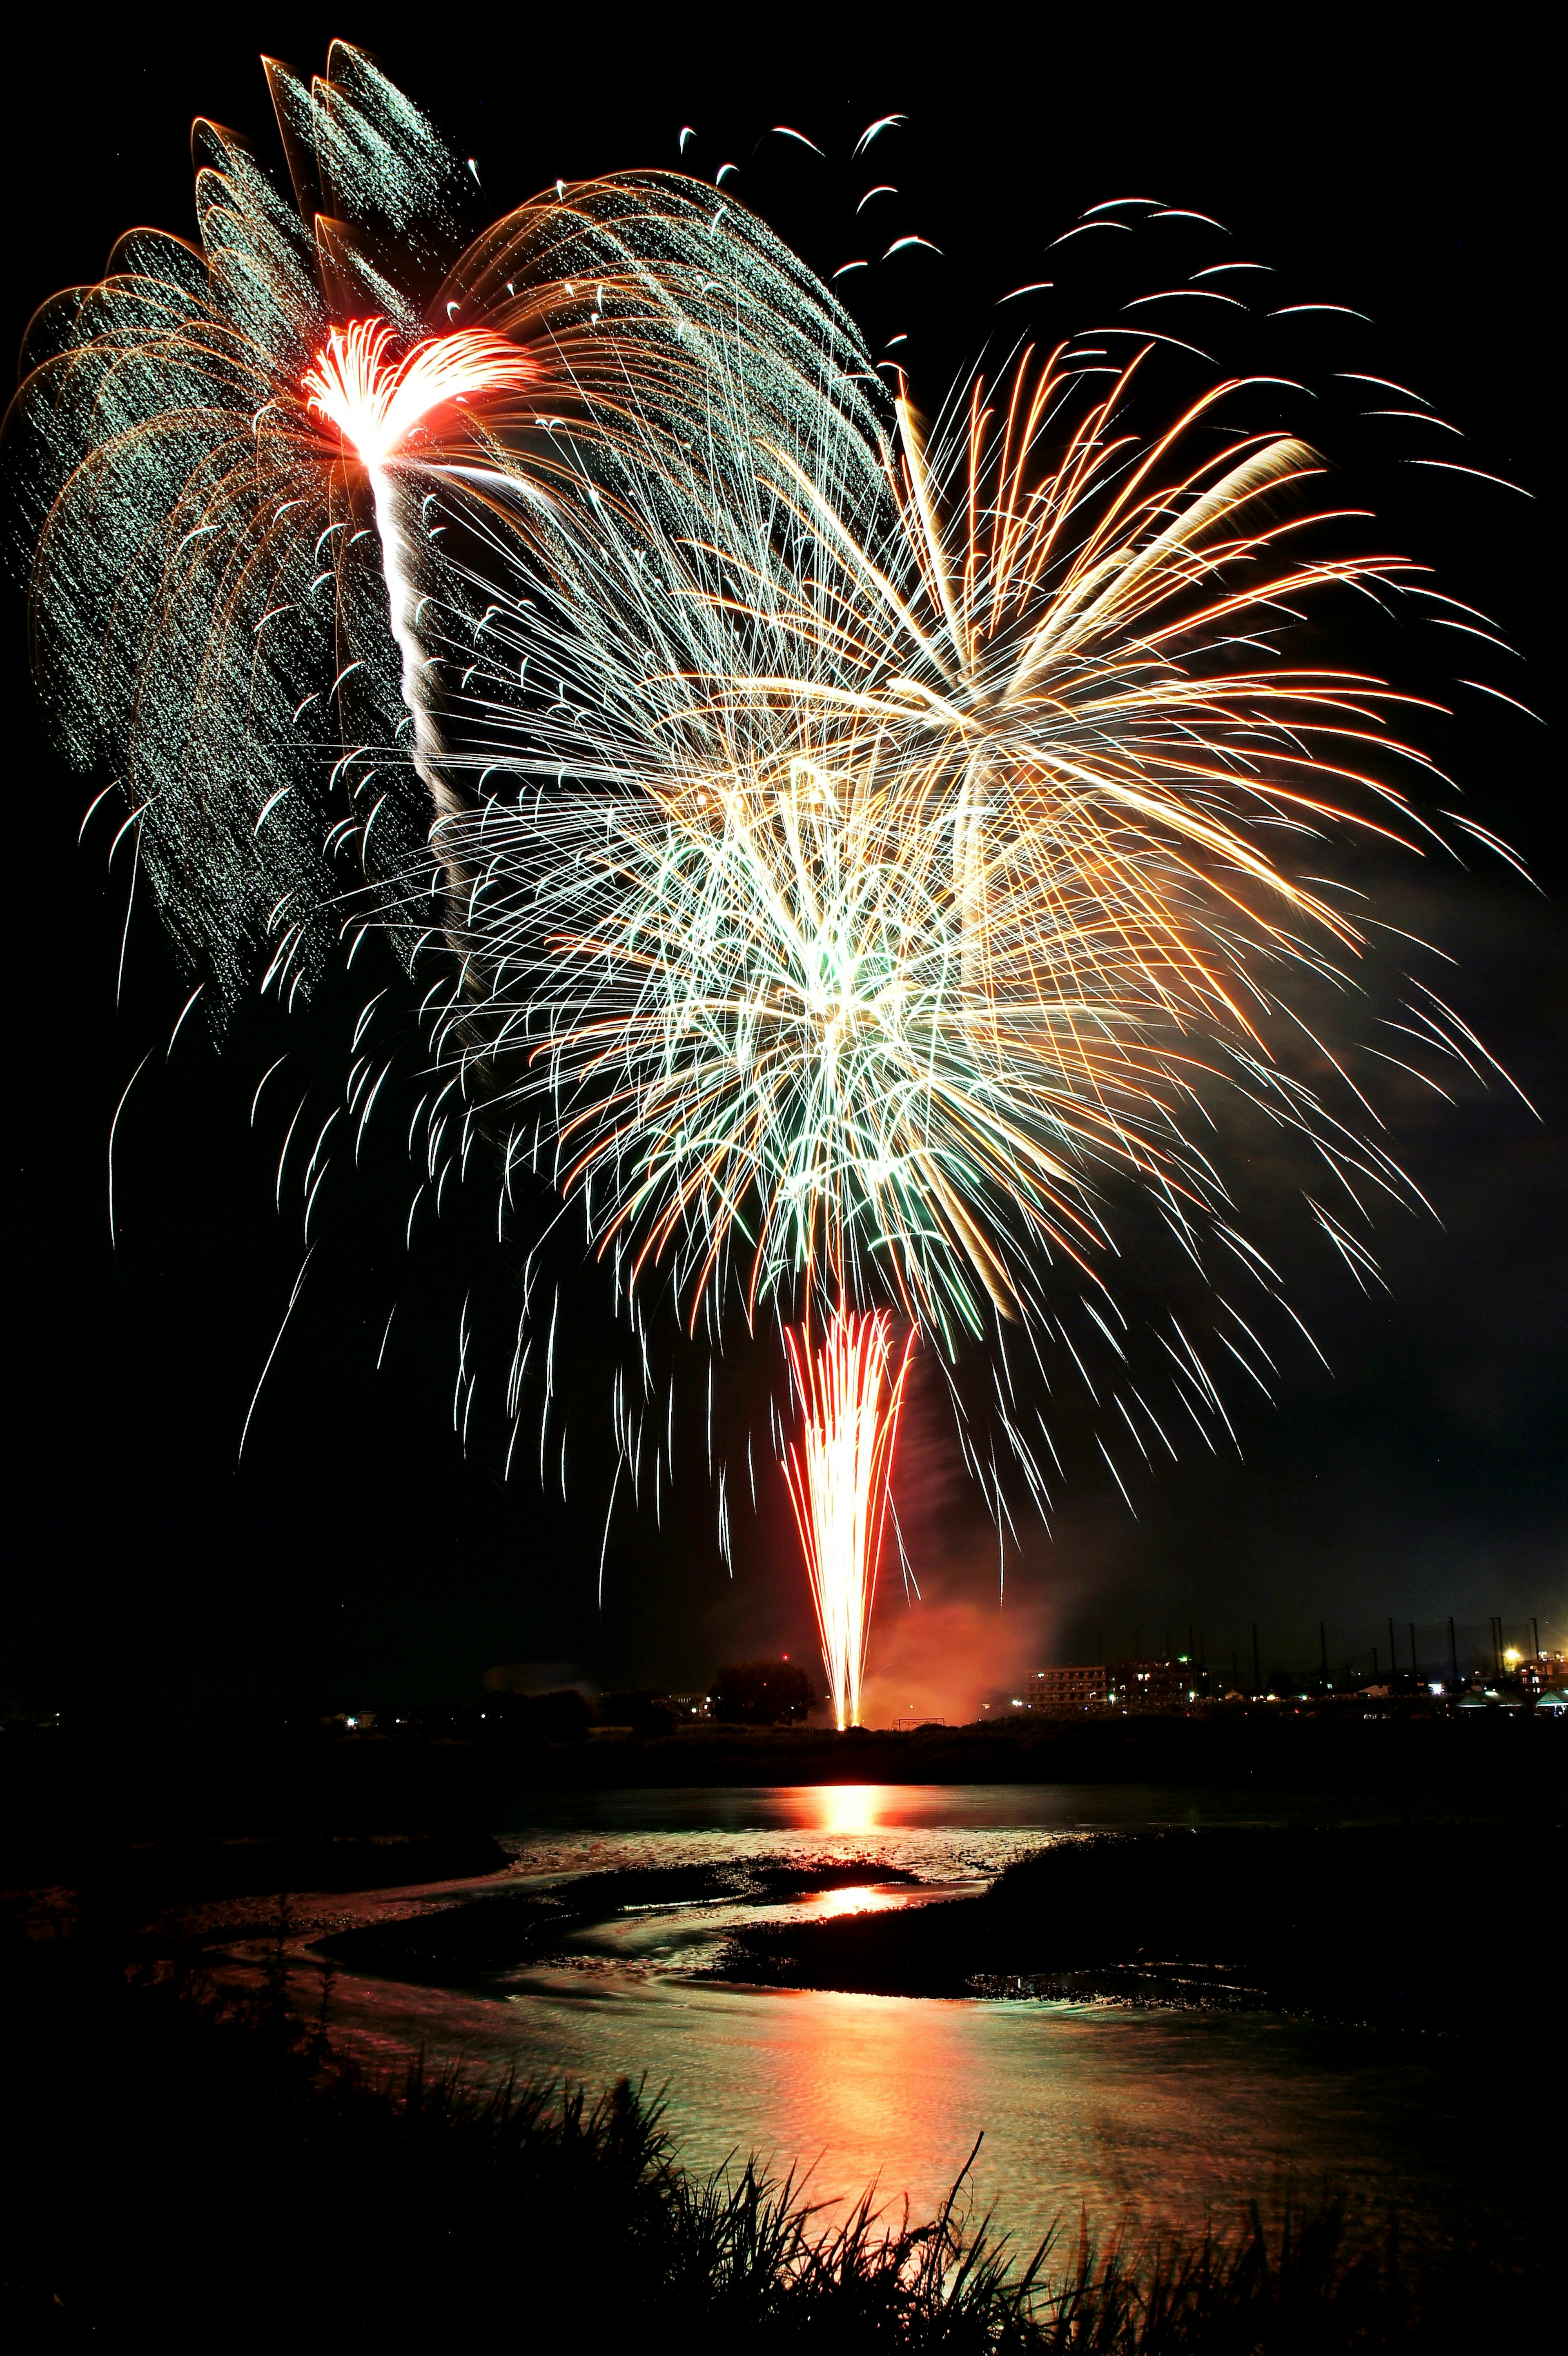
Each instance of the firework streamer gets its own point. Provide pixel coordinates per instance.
(205, 621)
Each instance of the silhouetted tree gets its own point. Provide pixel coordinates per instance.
(762, 1693)
(644, 1713)
(563, 1716)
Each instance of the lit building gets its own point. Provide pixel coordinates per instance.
(1538, 1672)
(1067, 1689)
(1116, 1684)
(1153, 1685)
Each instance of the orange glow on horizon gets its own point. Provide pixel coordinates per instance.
(376, 404)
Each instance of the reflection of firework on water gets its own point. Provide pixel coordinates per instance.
(850, 1391)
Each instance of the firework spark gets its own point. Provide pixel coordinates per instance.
(379, 406)
(229, 470)
(850, 1391)
(951, 884)
(869, 870)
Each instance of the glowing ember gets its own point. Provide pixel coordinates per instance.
(376, 404)
(850, 1395)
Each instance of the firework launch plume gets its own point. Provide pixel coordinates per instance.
(850, 1388)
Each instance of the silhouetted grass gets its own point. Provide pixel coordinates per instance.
(205, 2168)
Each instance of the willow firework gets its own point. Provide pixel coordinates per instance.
(218, 536)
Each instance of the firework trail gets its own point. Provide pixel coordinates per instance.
(213, 546)
(850, 1392)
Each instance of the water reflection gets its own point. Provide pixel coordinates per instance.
(1162, 2118)
(738, 1810)
(827, 1905)
(846, 1807)
(1168, 2116)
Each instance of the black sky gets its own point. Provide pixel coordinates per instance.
(355, 1551)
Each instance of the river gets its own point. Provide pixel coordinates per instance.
(1154, 2118)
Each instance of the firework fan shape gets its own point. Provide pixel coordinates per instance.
(851, 1389)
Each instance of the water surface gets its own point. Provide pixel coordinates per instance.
(1163, 2116)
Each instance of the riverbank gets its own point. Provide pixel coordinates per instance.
(73, 1795)
(204, 2169)
(1351, 1924)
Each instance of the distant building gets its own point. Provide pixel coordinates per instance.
(1154, 1685)
(1054, 1689)
(1116, 1684)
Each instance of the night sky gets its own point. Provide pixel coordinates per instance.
(356, 1553)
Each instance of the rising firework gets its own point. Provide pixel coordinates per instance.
(850, 1391)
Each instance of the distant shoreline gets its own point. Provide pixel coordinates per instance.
(74, 1795)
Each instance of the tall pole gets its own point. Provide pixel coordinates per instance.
(1453, 1652)
(1414, 1664)
(1323, 1640)
(1393, 1656)
(1535, 1631)
(1257, 1672)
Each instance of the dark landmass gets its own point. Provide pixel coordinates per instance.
(137, 1813)
(148, 1874)
(472, 1942)
(1427, 1927)
(124, 1778)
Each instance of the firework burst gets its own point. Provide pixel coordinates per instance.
(948, 882)
(240, 459)
(869, 868)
